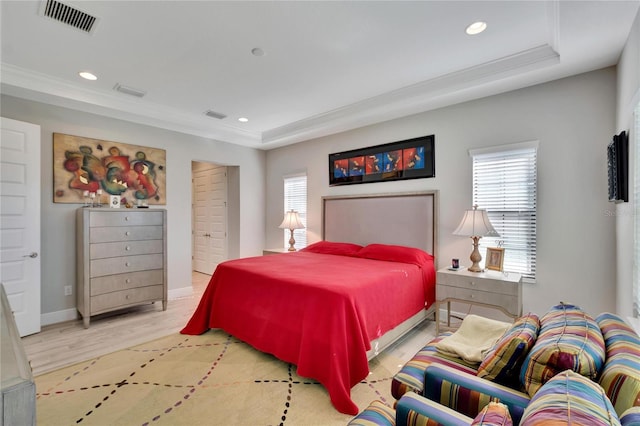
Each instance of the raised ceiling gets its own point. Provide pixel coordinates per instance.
(325, 66)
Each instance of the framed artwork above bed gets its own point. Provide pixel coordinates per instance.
(407, 159)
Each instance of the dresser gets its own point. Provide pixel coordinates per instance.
(121, 259)
(489, 289)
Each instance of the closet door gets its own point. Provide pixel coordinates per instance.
(209, 218)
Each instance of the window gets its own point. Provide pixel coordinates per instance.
(505, 184)
(295, 197)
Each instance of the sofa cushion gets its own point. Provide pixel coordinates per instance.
(620, 377)
(568, 339)
(377, 414)
(414, 410)
(493, 414)
(570, 399)
(502, 363)
(631, 417)
(411, 375)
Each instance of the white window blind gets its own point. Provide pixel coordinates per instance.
(505, 184)
(295, 197)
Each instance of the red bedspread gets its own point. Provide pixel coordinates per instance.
(317, 311)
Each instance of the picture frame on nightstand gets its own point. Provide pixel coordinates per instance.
(494, 258)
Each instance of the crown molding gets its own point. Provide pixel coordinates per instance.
(451, 88)
(27, 84)
(460, 86)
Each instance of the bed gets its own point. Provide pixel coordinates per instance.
(334, 305)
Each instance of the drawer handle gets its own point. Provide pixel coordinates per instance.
(126, 218)
(128, 296)
(127, 264)
(128, 281)
(127, 233)
(127, 248)
(473, 283)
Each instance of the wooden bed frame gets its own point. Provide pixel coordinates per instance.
(408, 219)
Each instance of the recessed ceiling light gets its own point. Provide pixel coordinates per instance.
(87, 75)
(476, 28)
(243, 119)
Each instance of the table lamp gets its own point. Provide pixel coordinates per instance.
(475, 224)
(291, 222)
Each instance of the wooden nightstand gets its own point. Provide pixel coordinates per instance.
(490, 289)
(276, 251)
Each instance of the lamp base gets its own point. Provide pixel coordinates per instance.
(475, 257)
(292, 242)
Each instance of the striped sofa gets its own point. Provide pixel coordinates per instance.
(603, 352)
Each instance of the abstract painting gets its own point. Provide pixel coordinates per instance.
(84, 165)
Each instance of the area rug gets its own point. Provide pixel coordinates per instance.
(212, 379)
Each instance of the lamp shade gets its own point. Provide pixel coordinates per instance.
(291, 221)
(475, 223)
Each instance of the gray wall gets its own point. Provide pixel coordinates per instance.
(247, 196)
(573, 119)
(628, 98)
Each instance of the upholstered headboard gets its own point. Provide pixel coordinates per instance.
(409, 219)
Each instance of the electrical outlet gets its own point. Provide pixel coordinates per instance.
(68, 290)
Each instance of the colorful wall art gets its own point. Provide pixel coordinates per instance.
(84, 165)
(408, 159)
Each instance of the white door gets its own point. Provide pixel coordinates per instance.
(209, 218)
(20, 221)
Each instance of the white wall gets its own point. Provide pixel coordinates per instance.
(573, 119)
(58, 220)
(628, 97)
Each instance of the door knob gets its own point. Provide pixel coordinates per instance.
(32, 255)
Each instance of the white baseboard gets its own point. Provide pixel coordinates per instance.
(178, 293)
(58, 316)
(72, 314)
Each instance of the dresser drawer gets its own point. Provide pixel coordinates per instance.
(125, 233)
(111, 283)
(118, 299)
(118, 265)
(486, 284)
(508, 302)
(125, 248)
(125, 218)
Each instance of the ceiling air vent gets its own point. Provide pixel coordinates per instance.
(129, 90)
(69, 15)
(214, 114)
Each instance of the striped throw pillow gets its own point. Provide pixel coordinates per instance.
(570, 399)
(620, 377)
(502, 363)
(569, 339)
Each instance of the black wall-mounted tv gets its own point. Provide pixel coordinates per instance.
(618, 168)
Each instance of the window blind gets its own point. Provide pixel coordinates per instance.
(295, 198)
(505, 184)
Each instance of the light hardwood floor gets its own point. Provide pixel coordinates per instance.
(68, 343)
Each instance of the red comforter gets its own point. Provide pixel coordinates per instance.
(317, 311)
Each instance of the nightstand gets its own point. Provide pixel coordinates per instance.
(276, 251)
(489, 289)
